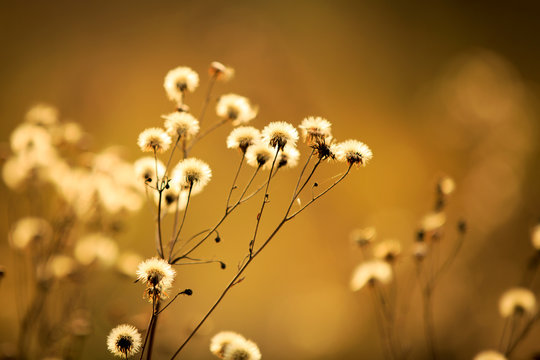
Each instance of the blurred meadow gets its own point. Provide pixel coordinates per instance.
(435, 89)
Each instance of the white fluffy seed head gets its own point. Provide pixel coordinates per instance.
(178, 80)
(42, 115)
(387, 250)
(192, 172)
(236, 108)
(30, 230)
(535, 236)
(260, 154)
(517, 300)
(145, 170)
(489, 355)
(181, 124)
(243, 137)
(363, 237)
(220, 342)
(315, 129)
(156, 272)
(353, 152)
(154, 139)
(124, 340)
(288, 157)
(370, 272)
(279, 133)
(242, 350)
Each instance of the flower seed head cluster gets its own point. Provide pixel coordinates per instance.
(220, 71)
(370, 272)
(145, 170)
(42, 115)
(315, 130)
(192, 173)
(433, 221)
(181, 125)
(387, 250)
(353, 152)
(260, 155)
(278, 134)
(363, 237)
(158, 275)
(243, 137)
(288, 157)
(517, 300)
(228, 345)
(446, 185)
(178, 80)
(489, 355)
(236, 108)
(30, 230)
(124, 340)
(535, 236)
(154, 139)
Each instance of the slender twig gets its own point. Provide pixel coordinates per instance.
(521, 336)
(233, 186)
(208, 95)
(182, 223)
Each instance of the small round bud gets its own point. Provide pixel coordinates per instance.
(217, 239)
(223, 265)
(188, 292)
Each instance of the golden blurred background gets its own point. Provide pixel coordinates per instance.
(433, 88)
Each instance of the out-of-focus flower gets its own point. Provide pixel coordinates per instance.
(192, 173)
(220, 71)
(387, 250)
(236, 108)
(288, 157)
(96, 247)
(243, 137)
(30, 230)
(178, 80)
(229, 345)
(145, 170)
(42, 115)
(353, 152)
(489, 355)
(517, 300)
(181, 125)
(371, 272)
(433, 221)
(279, 133)
(363, 237)
(260, 155)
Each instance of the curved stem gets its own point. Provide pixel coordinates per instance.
(233, 186)
(181, 224)
(207, 99)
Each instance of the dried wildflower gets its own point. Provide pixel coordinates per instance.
(178, 80)
(420, 250)
(242, 350)
(446, 185)
(145, 170)
(279, 133)
(124, 341)
(288, 157)
(28, 230)
(535, 236)
(30, 138)
(181, 125)
(243, 137)
(61, 266)
(96, 247)
(260, 155)
(173, 198)
(371, 272)
(236, 108)
(363, 237)
(16, 172)
(220, 342)
(220, 71)
(42, 115)
(433, 221)
(154, 139)
(192, 173)
(353, 152)
(387, 250)
(517, 300)
(489, 355)
(315, 130)
(158, 275)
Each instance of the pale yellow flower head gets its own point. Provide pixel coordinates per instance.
(387, 250)
(181, 124)
(535, 236)
(353, 152)
(145, 170)
(279, 133)
(154, 139)
(260, 155)
(315, 129)
(178, 80)
(236, 108)
(243, 137)
(489, 355)
(194, 173)
(42, 115)
(371, 272)
(363, 237)
(30, 230)
(517, 300)
(220, 71)
(156, 273)
(220, 342)
(124, 340)
(288, 157)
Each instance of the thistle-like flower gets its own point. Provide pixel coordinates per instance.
(154, 139)
(489, 355)
(178, 80)
(243, 137)
(220, 342)
(145, 170)
(353, 152)
(260, 155)
(363, 237)
(236, 108)
(278, 134)
(192, 173)
(371, 272)
(158, 275)
(124, 341)
(517, 300)
(242, 350)
(220, 71)
(288, 157)
(315, 130)
(181, 125)
(387, 250)
(29, 230)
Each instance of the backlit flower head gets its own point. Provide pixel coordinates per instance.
(145, 170)
(181, 124)
(433, 221)
(446, 185)
(353, 152)
(489, 355)
(279, 133)
(220, 71)
(42, 115)
(535, 236)
(193, 173)
(154, 139)
(236, 108)
(315, 130)
(96, 247)
(363, 237)
(243, 137)
(517, 300)
(242, 350)
(124, 340)
(173, 198)
(288, 157)
(158, 275)
(260, 155)
(178, 80)
(28, 138)
(387, 250)
(220, 342)
(371, 272)
(29, 230)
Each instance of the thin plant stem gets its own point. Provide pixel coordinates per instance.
(380, 321)
(170, 158)
(521, 336)
(147, 334)
(207, 98)
(155, 312)
(233, 186)
(182, 223)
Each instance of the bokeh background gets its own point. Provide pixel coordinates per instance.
(434, 88)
